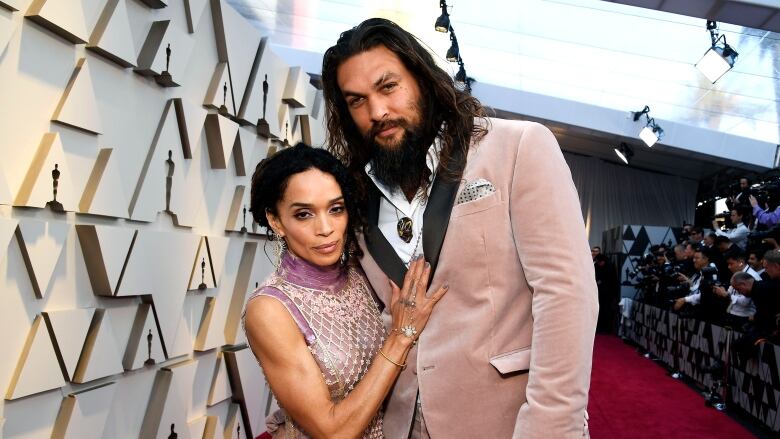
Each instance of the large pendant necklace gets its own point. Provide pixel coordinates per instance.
(405, 229)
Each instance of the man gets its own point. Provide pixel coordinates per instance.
(709, 306)
(709, 240)
(742, 197)
(756, 262)
(696, 235)
(741, 307)
(594, 252)
(722, 247)
(491, 205)
(609, 291)
(762, 216)
(740, 217)
(766, 296)
(683, 256)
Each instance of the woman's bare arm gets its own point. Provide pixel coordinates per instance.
(297, 381)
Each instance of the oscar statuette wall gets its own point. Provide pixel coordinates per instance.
(129, 131)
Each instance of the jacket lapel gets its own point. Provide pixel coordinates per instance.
(381, 250)
(436, 218)
(437, 213)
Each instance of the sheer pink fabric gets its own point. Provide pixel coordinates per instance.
(337, 315)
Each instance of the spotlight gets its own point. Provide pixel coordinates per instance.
(461, 75)
(652, 132)
(443, 22)
(717, 60)
(624, 152)
(453, 53)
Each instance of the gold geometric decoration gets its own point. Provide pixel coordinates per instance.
(112, 37)
(37, 369)
(105, 250)
(84, 413)
(41, 244)
(78, 106)
(69, 330)
(72, 20)
(99, 357)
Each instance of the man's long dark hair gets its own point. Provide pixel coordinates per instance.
(453, 111)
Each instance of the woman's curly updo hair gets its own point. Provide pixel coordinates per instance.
(272, 175)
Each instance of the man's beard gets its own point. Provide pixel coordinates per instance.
(402, 166)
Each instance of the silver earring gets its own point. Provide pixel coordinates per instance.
(280, 249)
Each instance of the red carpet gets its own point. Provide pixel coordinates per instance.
(631, 396)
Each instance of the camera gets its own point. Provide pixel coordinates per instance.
(768, 194)
(709, 278)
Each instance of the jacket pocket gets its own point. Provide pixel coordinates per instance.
(512, 361)
(475, 206)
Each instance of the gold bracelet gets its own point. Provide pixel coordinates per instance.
(402, 366)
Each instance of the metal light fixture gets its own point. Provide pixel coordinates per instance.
(443, 22)
(624, 152)
(717, 60)
(652, 132)
(460, 77)
(453, 53)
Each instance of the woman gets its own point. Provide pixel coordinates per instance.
(313, 325)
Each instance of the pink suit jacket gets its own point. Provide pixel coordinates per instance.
(507, 351)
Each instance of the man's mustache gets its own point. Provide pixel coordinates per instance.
(384, 125)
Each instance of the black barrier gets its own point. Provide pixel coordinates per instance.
(693, 347)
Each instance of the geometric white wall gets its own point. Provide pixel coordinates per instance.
(106, 332)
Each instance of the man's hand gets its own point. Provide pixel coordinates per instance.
(715, 225)
(772, 241)
(683, 278)
(679, 303)
(753, 201)
(720, 291)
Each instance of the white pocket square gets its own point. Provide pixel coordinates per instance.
(475, 190)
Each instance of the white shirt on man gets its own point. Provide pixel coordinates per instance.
(741, 305)
(394, 205)
(695, 297)
(738, 235)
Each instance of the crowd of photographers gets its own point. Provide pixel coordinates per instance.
(730, 277)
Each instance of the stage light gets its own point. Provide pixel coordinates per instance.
(460, 77)
(648, 136)
(443, 22)
(453, 53)
(717, 60)
(652, 132)
(624, 152)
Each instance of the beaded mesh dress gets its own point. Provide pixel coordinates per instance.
(336, 313)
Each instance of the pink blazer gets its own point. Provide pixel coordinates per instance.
(507, 352)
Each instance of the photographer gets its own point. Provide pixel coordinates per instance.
(741, 195)
(701, 259)
(696, 236)
(740, 217)
(766, 297)
(709, 240)
(762, 216)
(709, 306)
(756, 262)
(741, 307)
(683, 258)
(609, 291)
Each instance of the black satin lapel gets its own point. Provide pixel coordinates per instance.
(437, 213)
(383, 253)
